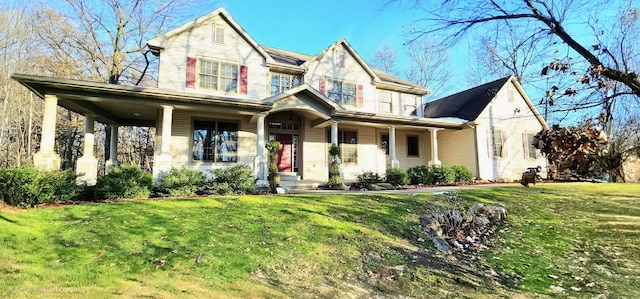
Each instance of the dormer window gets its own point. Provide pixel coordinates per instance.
(218, 34)
(282, 82)
(385, 101)
(410, 105)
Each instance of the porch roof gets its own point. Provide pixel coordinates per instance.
(136, 105)
(130, 105)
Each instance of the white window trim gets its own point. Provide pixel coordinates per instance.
(380, 92)
(217, 38)
(329, 83)
(219, 76)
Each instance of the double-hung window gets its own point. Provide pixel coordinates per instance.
(497, 142)
(218, 75)
(348, 142)
(343, 93)
(410, 105)
(531, 151)
(282, 82)
(215, 141)
(385, 101)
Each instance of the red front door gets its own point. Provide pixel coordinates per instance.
(285, 155)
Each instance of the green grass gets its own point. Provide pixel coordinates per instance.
(568, 240)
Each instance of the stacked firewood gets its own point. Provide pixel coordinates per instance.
(571, 151)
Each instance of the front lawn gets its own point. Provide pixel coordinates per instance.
(569, 240)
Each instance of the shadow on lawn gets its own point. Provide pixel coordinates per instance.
(7, 219)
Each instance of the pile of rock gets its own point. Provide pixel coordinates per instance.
(456, 229)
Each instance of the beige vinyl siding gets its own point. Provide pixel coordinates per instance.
(456, 147)
(352, 72)
(315, 154)
(424, 149)
(182, 140)
(198, 42)
(367, 149)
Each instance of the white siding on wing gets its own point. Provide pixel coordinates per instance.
(197, 42)
(513, 118)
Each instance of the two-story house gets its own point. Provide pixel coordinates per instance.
(221, 96)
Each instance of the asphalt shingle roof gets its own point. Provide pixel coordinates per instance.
(466, 104)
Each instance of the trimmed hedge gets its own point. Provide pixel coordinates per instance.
(28, 187)
(125, 181)
(180, 182)
(228, 181)
(397, 176)
(420, 175)
(463, 174)
(368, 179)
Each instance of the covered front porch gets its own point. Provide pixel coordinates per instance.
(305, 121)
(117, 106)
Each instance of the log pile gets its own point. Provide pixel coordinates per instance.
(571, 151)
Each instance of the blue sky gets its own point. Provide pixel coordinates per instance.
(310, 26)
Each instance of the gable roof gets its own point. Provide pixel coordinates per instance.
(466, 104)
(470, 103)
(289, 59)
(158, 42)
(279, 59)
(343, 42)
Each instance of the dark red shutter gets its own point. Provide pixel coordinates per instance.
(244, 70)
(323, 86)
(360, 96)
(191, 72)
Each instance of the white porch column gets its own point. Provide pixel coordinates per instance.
(392, 147)
(87, 165)
(47, 158)
(260, 163)
(113, 150)
(434, 147)
(163, 161)
(334, 132)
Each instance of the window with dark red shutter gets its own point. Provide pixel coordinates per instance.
(191, 72)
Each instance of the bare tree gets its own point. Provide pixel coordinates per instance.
(108, 40)
(384, 58)
(18, 109)
(556, 19)
(428, 66)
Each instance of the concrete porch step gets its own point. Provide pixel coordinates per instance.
(289, 176)
(300, 185)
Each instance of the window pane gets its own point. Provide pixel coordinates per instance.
(384, 143)
(533, 151)
(203, 140)
(385, 101)
(497, 143)
(275, 79)
(295, 81)
(335, 91)
(227, 143)
(412, 146)
(349, 94)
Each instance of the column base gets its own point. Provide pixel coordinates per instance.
(87, 171)
(395, 163)
(110, 164)
(436, 162)
(161, 164)
(46, 161)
